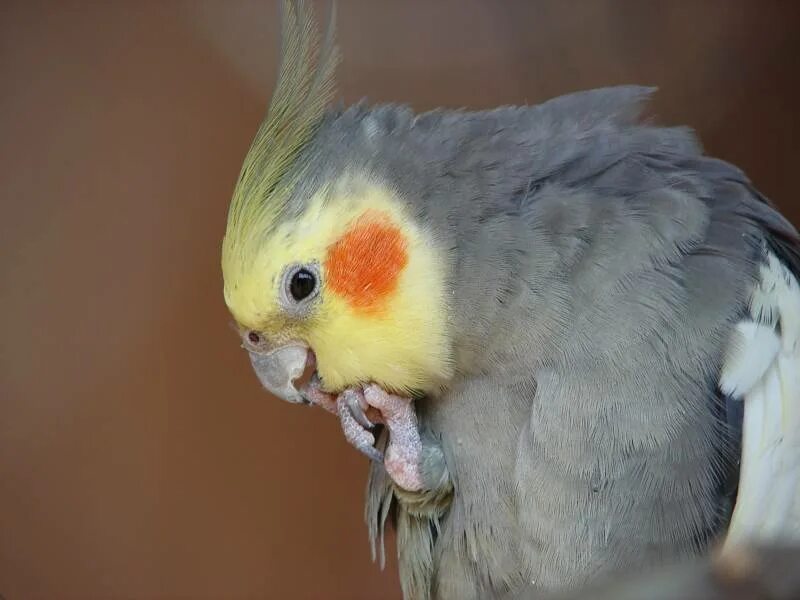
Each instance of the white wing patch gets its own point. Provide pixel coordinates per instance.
(762, 370)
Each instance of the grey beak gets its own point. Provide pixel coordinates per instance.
(278, 369)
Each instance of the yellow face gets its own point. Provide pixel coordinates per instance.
(356, 280)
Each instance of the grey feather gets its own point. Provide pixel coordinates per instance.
(597, 265)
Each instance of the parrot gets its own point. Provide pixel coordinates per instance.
(566, 338)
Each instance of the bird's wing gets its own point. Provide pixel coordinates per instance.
(762, 370)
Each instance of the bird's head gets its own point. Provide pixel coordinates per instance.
(336, 273)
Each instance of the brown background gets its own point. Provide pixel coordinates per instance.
(138, 456)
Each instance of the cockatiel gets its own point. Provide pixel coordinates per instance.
(574, 336)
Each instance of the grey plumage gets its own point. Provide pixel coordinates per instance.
(752, 573)
(597, 265)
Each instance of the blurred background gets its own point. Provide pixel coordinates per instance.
(138, 456)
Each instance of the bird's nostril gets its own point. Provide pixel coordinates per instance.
(253, 337)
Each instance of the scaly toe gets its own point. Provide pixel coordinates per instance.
(312, 392)
(390, 405)
(355, 433)
(370, 452)
(358, 405)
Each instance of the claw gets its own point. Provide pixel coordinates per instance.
(371, 452)
(358, 406)
(355, 433)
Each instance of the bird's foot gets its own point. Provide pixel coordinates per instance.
(403, 460)
(359, 410)
(313, 392)
(352, 410)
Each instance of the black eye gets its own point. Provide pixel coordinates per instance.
(302, 284)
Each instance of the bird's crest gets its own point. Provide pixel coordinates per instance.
(304, 88)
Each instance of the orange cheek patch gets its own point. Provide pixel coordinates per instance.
(363, 266)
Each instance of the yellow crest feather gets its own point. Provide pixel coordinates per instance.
(304, 89)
